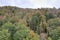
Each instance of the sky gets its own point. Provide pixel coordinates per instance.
(31, 3)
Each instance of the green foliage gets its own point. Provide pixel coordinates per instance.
(49, 38)
(59, 38)
(10, 27)
(19, 32)
(54, 22)
(4, 35)
(25, 35)
(35, 22)
(27, 24)
(21, 35)
(14, 19)
(54, 25)
(55, 34)
(49, 16)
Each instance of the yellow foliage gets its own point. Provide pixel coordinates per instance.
(32, 33)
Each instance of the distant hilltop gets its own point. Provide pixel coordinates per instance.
(49, 10)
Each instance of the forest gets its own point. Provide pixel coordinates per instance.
(29, 24)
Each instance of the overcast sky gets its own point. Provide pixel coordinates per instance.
(31, 3)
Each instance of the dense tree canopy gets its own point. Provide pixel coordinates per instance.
(29, 24)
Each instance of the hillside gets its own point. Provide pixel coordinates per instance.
(29, 24)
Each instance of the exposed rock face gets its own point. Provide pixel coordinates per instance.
(43, 36)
